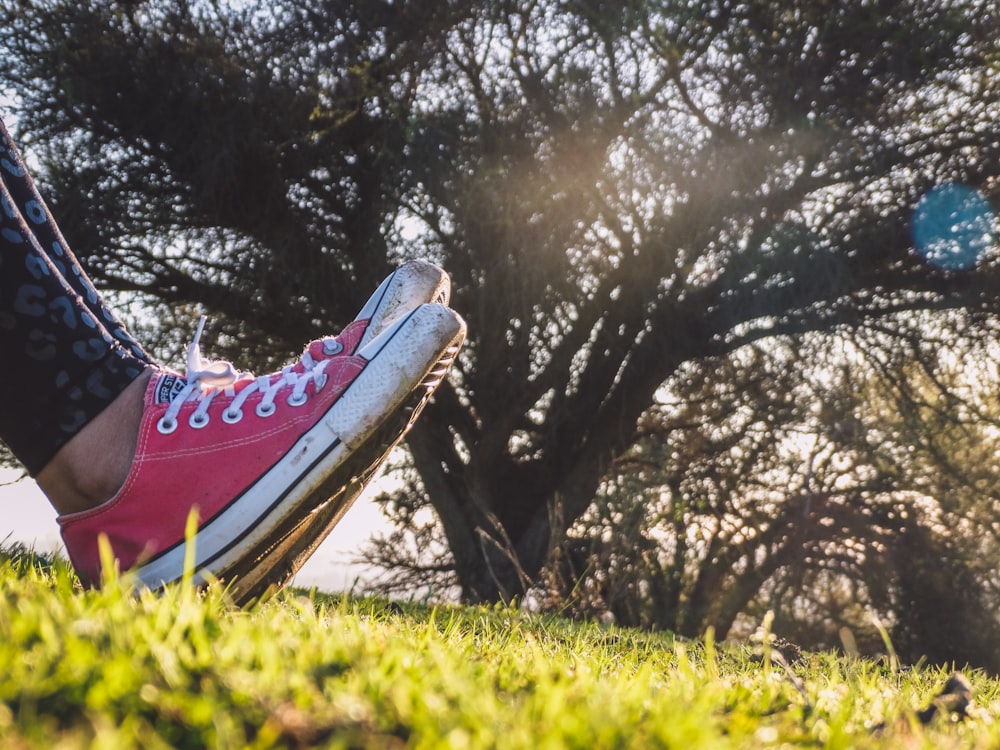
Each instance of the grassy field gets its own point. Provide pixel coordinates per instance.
(109, 669)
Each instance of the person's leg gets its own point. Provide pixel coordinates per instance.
(33, 209)
(62, 368)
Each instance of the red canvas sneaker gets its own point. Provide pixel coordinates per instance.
(253, 455)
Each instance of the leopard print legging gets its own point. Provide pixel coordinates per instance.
(65, 356)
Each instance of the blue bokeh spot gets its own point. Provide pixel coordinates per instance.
(953, 226)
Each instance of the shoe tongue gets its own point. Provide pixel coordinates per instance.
(167, 387)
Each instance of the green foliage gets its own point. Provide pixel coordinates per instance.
(186, 670)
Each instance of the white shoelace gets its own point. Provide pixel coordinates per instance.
(206, 379)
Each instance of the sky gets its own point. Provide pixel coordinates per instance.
(26, 516)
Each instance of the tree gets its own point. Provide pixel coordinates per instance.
(620, 191)
(826, 479)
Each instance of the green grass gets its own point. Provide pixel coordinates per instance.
(109, 669)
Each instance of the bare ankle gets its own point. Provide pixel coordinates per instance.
(89, 469)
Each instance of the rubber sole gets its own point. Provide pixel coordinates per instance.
(302, 480)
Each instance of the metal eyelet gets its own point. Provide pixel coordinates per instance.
(232, 417)
(294, 400)
(265, 411)
(332, 347)
(198, 420)
(166, 426)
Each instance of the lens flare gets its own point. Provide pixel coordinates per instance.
(953, 226)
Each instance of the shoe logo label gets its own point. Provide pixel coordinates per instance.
(168, 387)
